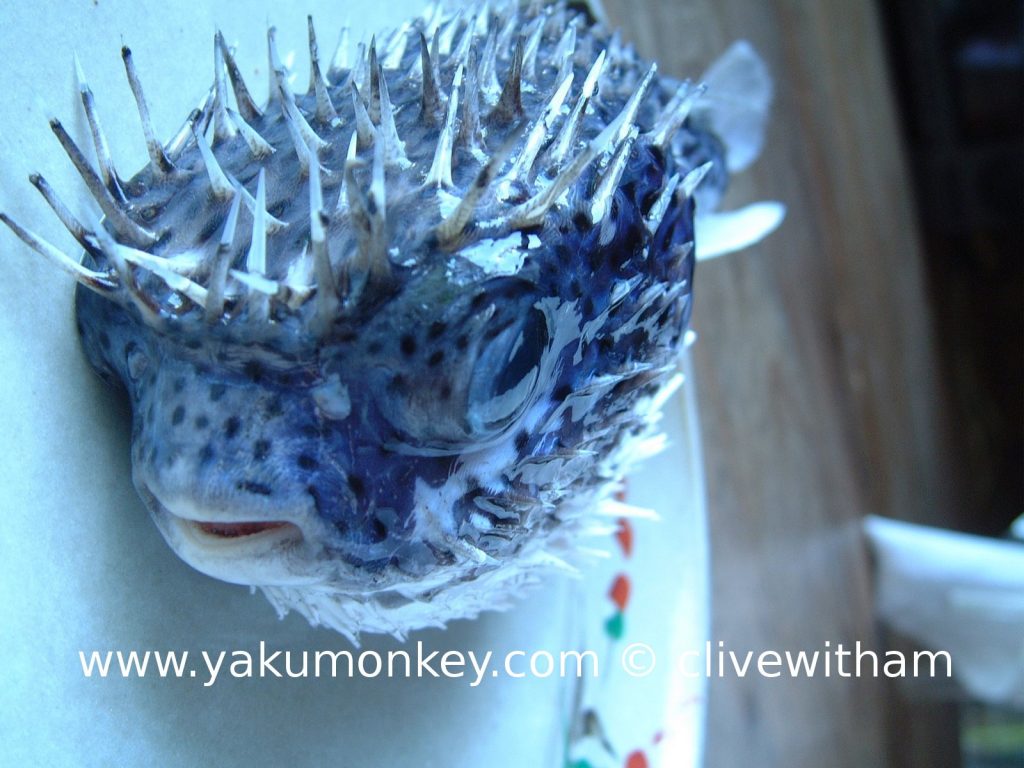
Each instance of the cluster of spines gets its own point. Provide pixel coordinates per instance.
(122, 240)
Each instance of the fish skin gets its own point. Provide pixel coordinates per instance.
(408, 397)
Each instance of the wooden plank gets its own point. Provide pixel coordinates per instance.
(816, 371)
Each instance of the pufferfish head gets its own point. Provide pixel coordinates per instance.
(388, 344)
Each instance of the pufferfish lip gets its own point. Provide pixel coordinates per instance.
(237, 551)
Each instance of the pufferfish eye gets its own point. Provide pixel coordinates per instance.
(505, 375)
(488, 380)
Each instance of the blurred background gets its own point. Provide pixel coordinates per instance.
(868, 359)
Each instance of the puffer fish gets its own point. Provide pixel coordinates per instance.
(392, 344)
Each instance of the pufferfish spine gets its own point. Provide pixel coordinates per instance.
(392, 344)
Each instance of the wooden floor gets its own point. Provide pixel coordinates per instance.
(817, 379)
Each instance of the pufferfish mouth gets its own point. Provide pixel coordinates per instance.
(238, 551)
(234, 530)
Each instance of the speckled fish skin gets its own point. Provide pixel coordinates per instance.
(391, 343)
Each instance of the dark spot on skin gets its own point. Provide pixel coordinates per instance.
(436, 359)
(462, 342)
(202, 422)
(261, 449)
(307, 462)
(436, 330)
(355, 483)
(446, 391)
(217, 392)
(397, 382)
(478, 302)
(275, 407)
(104, 339)
(581, 221)
(178, 416)
(194, 344)
(408, 345)
(378, 532)
(373, 347)
(254, 370)
(231, 427)
(521, 439)
(206, 455)
(253, 487)
(179, 384)
(588, 307)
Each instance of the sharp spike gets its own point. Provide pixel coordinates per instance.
(566, 139)
(452, 228)
(602, 198)
(246, 105)
(340, 59)
(223, 128)
(661, 204)
(531, 48)
(590, 84)
(396, 47)
(299, 126)
(277, 86)
(103, 283)
(393, 146)
(433, 16)
(373, 108)
(440, 174)
(360, 74)
(675, 114)
(220, 187)
(446, 35)
(510, 103)
(274, 224)
(158, 159)
(533, 211)
(256, 259)
(624, 121)
(364, 126)
(116, 215)
(693, 179)
(99, 140)
(461, 52)
(68, 219)
(435, 55)
(469, 131)
(372, 264)
(430, 101)
(564, 51)
(258, 146)
(325, 112)
(342, 205)
(222, 262)
(302, 150)
(198, 120)
(326, 287)
(488, 75)
(508, 31)
(194, 292)
(539, 130)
